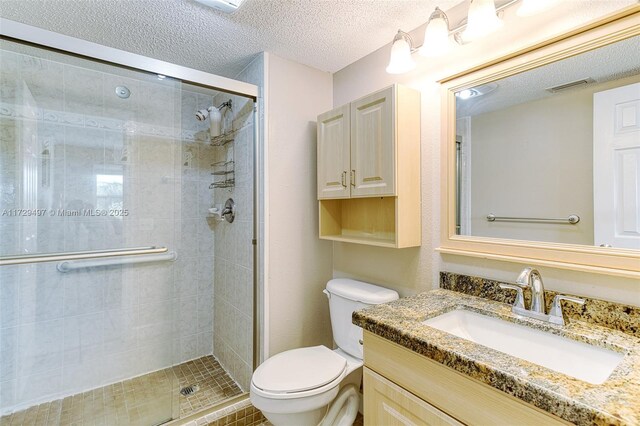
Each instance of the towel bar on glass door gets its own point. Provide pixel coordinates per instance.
(75, 255)
(81, 264)
(572, 219)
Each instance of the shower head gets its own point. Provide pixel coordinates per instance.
(202, 114)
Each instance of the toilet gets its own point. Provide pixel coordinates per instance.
(317, 385)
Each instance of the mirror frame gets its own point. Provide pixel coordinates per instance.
(612, 261)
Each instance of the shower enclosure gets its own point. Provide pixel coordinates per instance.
(125, 295)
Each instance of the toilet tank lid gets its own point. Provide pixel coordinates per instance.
(359, 291)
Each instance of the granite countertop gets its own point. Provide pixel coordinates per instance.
(614, 402)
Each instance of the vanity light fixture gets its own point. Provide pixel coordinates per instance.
(483, 18)
(401, 49)
(436, 35)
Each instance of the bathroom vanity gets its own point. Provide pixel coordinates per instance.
(415, 372)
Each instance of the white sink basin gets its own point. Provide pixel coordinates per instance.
(589, 363)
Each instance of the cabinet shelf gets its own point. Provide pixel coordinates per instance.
(369, 221)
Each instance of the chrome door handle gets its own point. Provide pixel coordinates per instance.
(353, 177)
(344, 178)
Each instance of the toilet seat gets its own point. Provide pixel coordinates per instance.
(299, 372)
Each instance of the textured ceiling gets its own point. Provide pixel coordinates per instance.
(324, 34)
(612, 62)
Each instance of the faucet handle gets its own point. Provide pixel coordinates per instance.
(555, 314)
(519, 302)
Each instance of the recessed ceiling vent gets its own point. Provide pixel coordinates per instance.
(570, 85)
(227, 6)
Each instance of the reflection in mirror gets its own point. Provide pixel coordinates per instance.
(553, 154)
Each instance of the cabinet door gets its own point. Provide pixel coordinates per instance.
(386, 403)
(373, 154)
(333, 153)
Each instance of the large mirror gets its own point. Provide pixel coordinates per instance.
(543, 152)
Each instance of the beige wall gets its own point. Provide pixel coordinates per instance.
(298, 263)
(534, 160)
(416, 269)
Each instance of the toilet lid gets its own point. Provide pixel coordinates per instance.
(298, 370)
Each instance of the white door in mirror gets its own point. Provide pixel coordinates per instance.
(616, 167)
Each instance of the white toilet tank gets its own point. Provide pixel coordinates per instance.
(345, 296)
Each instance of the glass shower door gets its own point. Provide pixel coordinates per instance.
(88, 162)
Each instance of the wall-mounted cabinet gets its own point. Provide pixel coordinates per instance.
(369, 170)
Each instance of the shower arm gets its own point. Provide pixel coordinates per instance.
(227, 104)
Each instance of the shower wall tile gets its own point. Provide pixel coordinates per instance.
(82, 293)
(121, 365)
(205, 342)
(9, 76)
(83, 90)
(189, 346)
(40, 346)
(9, 302)
(8, 393)
(82, 372)
(40, 386)
(41, 301)
(43, 82)
(162, 112)
(155, 155)
(8, 353)
(119, 330)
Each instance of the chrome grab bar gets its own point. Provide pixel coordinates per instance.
(73, 265)
(76, 255)
(572, 219)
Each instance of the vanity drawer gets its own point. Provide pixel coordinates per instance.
(386, 403)
(466, 399)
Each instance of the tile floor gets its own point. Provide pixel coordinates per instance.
(146, 400)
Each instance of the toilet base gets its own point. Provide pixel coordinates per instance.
(306, 418)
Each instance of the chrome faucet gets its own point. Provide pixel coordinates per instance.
(531, 278)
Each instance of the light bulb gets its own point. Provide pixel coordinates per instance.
(481, 20)
(436, 35)
(401, 60)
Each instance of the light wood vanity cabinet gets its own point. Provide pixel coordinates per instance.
(388, 404)
(369, 170)
(402, 387)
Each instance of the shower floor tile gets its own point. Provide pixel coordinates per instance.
(136, 401)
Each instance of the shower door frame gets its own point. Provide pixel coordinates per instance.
(19, 32)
